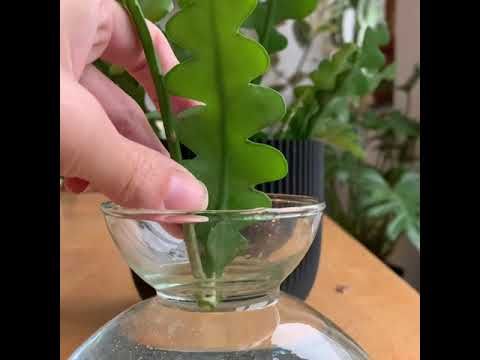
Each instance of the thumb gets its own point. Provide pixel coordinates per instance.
(130, 174)
(135, 176)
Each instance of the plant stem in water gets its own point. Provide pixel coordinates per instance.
(138, 18)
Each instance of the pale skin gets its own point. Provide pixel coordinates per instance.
(105, 139)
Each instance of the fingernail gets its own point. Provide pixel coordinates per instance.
(186, 193)
(76, 185)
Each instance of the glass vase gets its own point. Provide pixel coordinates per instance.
(240, 314)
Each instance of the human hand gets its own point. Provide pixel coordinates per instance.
(106, 140)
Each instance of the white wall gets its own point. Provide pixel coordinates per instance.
(407, 54)
(407, 48)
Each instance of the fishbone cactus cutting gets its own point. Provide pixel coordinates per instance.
(219, 74)
(223, 64)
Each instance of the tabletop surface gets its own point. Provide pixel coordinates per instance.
(353, 288)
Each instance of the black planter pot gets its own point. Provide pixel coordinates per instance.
(400, 271)
(305, 177)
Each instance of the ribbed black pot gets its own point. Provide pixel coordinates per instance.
(305, 177)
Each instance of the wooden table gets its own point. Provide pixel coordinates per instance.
(354, 289)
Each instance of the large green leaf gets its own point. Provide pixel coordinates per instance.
(223, 63)
(283, 10)
(399, 203)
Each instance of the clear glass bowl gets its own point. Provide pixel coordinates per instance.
(250, 319)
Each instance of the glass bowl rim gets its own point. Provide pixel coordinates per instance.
(301, 205)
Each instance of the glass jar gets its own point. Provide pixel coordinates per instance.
(241, 314)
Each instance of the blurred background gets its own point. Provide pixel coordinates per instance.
(398, 98)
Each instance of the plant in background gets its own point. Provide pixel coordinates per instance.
(378, 200)
(372, 172)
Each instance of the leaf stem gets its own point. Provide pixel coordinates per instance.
(167, 116)
(138, 18)
(269, 22)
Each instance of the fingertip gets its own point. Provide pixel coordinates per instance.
(186, 193)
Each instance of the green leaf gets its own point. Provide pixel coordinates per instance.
(184, 3)
(371, 57)
(308, 90)
(368, 69)
(284, 10)
(389, 72)
(400, 203)
(219, 73)
(413, 234)
(155, 10)
(298, 9)
(333, 127)
(393, 123)
(396, 226)
(369, 15)
(341, 135)
(224, 243)
(325, 77)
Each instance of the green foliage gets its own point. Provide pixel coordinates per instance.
(327, 75)
(341, 135)
(369, 15)
(351, 72)
(376, 209)
(399, 203)
(367, 70)
(283, 10)
(393, 123)
(218, 74)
